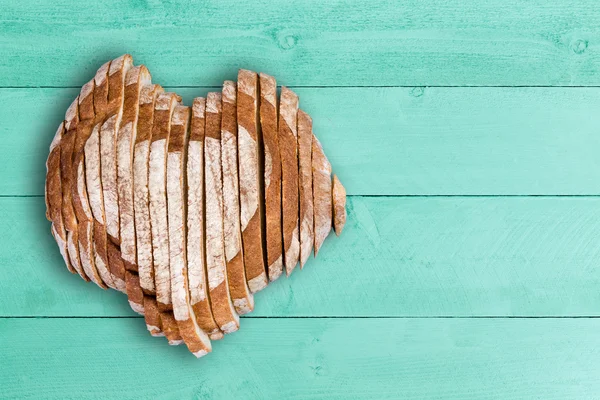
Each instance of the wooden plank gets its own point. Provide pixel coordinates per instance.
(431, 256)
(307, 42)
(332, 359)
(389, 140)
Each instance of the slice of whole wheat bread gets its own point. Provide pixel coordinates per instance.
(137, 77)
(195, 338)
(305, 185)
(251, 202)
(157, 188)
(288, 146)
(53, 196)
(87, 119)
(141, 160)
(170, 328)
(62, 246)
(134, 292)
(272, 175)
(108, 144)
(339, 205)
(243, 300)
(66, 172)
(79, 191)
(196, 251)
(321, 169)
(222, 306)
(114, 279)
(152, 316)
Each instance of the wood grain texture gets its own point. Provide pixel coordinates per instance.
(394, 141)
(308, 42)
(332, 359)
(397, 257)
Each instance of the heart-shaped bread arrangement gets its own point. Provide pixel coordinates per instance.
(188, 210)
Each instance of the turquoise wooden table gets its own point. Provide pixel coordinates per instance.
(467, 135)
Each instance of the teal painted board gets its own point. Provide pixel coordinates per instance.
(388, 141)
(306, 358)
(306, 42)
(527, 256)
(442, 119)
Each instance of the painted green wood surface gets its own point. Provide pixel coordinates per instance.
(307, 358)
(392, 141)
(306, 42)
(431, 256)
(437, 106)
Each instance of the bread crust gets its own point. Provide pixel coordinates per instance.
(250, 179)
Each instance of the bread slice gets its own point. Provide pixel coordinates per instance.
(79, 190)
(272, 175)
(339, 205)
(61, 240)
(136, 79)
(157, 189)
(134, 292)
(152, 316)
(94, 183)
(108, 99)
(141, 199)
(222, 306)
(112, 274)
(251, 201)
(243, 300)
(66, 172)
(52, 192)
(113, 278)
(197, 274)
(170, 328)
(195, 338)
(307, 236)
(288, 146)
(115, 262)
(53, 196)
(86, 250)
(108, 143)
(321, 169)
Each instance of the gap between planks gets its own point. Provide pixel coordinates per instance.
(334, 317)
